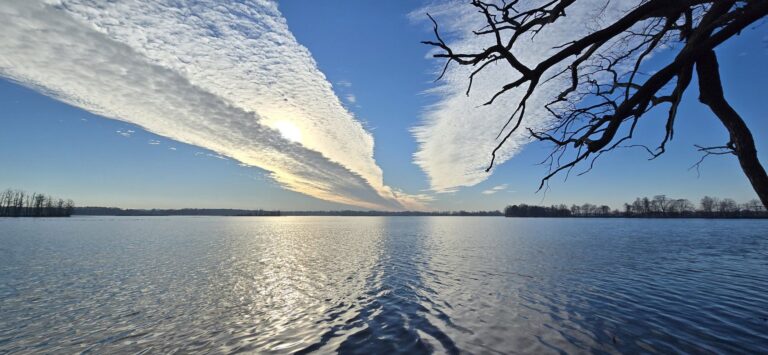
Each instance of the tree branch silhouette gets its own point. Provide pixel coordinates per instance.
(607, 94)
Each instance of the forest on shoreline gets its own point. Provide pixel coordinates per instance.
(659, 206)
(18, 203)
(114, 211)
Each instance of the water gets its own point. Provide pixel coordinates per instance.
(382, 285)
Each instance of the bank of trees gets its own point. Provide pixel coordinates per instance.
(114, 211)
(659, 206)
(18, 203)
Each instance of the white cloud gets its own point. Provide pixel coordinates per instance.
(457, 134)
(217, 156)
(344, 84)
(217, 75)
(153, 142)
(495, 189)
(351, 98)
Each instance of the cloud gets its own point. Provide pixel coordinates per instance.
(153, 142)
(457, 134)
(351, 98)
(221, 76)
(344, 84)
(495, 189)
(217, 156)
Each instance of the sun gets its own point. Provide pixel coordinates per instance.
(289, 131)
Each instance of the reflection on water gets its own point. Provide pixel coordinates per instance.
(382, 285)
(397, 302)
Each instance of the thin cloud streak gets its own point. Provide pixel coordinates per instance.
(458, 133)
(495, 189)
(218, 76)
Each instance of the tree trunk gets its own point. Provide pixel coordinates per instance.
(741, 141)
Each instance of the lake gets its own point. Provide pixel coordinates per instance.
(382, 285)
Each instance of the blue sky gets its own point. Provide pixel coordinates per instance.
(369, 54)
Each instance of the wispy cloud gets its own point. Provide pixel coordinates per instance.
(217, 156)
(495, 189)
(457, 133)
(125, 132)
(352, 99)
(344, 84)
(222, 76)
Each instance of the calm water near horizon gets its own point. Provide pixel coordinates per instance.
(383, 285)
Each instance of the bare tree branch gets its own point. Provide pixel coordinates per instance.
(606, 92)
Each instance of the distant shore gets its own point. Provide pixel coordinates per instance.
(660, 206)
(114, 211)
(18, 203)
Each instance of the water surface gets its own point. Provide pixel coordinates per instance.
(382, 285)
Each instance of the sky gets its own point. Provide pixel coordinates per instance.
(310, 105)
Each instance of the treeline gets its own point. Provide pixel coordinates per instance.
(392, 213)
(18, 203)
(114, 211)
(659, 206)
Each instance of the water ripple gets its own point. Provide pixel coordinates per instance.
(382, 285)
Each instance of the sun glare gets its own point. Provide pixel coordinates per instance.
(289, 131)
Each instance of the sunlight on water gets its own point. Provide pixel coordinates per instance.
(382, 285)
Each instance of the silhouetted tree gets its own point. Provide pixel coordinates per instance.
(659, 207)
(728, 205)
(17, 203)
(575, 210)
(708, 204)
(605, 210)
(524, 210)
(606, 93)
(754, 206)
